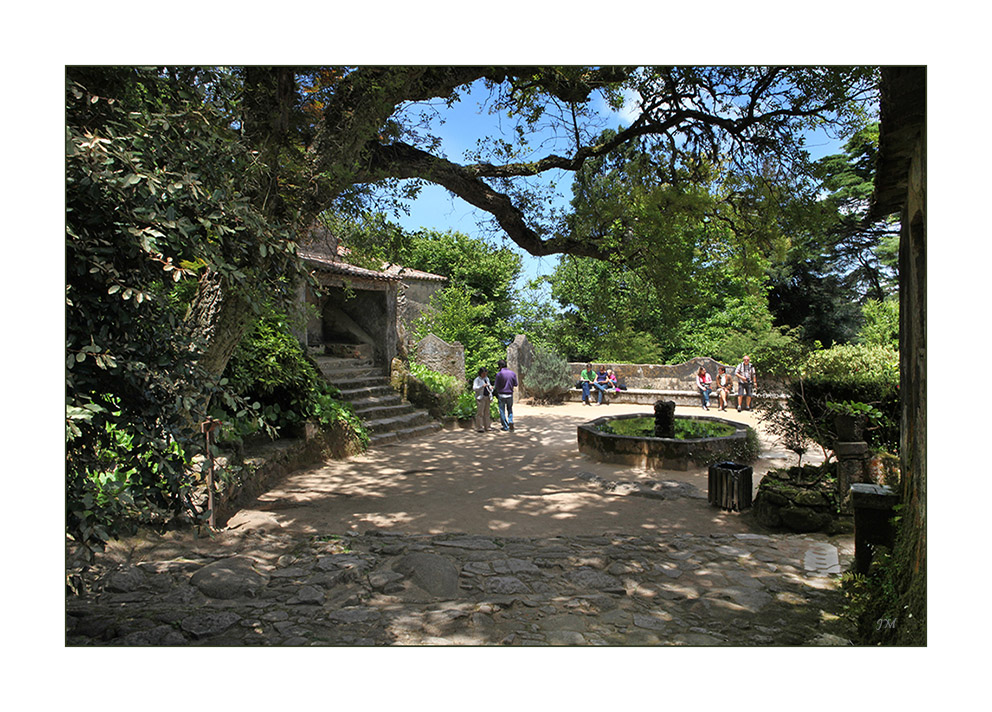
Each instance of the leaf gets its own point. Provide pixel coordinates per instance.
(114, 288)
(80, 356)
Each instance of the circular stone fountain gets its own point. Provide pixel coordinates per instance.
(660, 453)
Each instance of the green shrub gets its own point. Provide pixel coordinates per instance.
(548, 378)
(881, 323)
(271, 386)
(856, 373)
(440, 394)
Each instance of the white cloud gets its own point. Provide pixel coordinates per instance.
(630, 110)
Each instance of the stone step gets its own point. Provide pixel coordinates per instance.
(379, 412)
(371, 391)
(378, 439)
(397, 422)
(358, 380)
(360, 404)
(343, 361)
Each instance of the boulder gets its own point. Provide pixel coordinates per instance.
(434, 574)
(229, 578)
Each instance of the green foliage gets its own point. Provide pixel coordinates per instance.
(273, 387)
(548, 378)
(439, 393)
(476, 307)
(865, 375)
(869, 412)
(881, 323)
(155, 193)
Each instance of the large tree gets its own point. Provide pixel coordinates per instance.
(215, 172)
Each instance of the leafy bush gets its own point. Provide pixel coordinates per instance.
(439, 393)
(855, 373)
(548, 378)
(881, 323)
(272, 387)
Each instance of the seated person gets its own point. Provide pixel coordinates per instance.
(724, 387)
(588, 379)
(704, 384)
(603, 384)
(611, 379)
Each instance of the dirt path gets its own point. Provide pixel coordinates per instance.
(524, 483)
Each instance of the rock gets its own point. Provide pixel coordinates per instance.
(565, 637)
(505, 585)
(353, 615)
(801, 519)
(126, 580)
(434, 574)
(159, 635)
(229, 578)
(811, 498)
(585, 578)
(514, 566)
(386, 581)
(469, 543)
(204, 623)
(654, 621)
(355, 565)
(307, 595)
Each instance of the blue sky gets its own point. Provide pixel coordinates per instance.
(466, 122)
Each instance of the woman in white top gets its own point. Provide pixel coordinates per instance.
(483, 394)
(724, 387)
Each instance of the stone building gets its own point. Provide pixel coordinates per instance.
(360, 312)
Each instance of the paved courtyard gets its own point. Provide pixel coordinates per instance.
(464, 538)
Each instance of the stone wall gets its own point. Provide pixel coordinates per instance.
(438, 355)
(657, 376)
(519, 358)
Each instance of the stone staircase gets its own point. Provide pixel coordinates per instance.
(386, 416)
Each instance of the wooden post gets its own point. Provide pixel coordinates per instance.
(207, 427)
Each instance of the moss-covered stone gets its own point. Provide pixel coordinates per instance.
(803, 519)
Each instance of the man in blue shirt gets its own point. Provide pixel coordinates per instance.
(506, 381)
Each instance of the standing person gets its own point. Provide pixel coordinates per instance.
(483, 395)
(704, 383)
(746, 382)
(724, 385)
(506, 381)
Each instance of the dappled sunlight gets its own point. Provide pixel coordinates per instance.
(524, 483)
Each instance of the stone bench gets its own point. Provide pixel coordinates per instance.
(648, 396)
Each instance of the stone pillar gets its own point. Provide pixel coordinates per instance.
(853, 465)
(664, 419)
(519, 357)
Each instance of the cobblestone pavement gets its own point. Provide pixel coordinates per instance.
(387, 588)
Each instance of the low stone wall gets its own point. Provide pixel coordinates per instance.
(672, 377)
(262, 466)
(659, 453)
(800, 499)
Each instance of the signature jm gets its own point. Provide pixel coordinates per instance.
(885, 623)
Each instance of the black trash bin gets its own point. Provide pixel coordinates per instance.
(730, 486)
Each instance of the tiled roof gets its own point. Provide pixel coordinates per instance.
(390, 272)
(326, 264)
(410, 273)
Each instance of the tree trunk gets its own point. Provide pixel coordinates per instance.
(217, 319)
